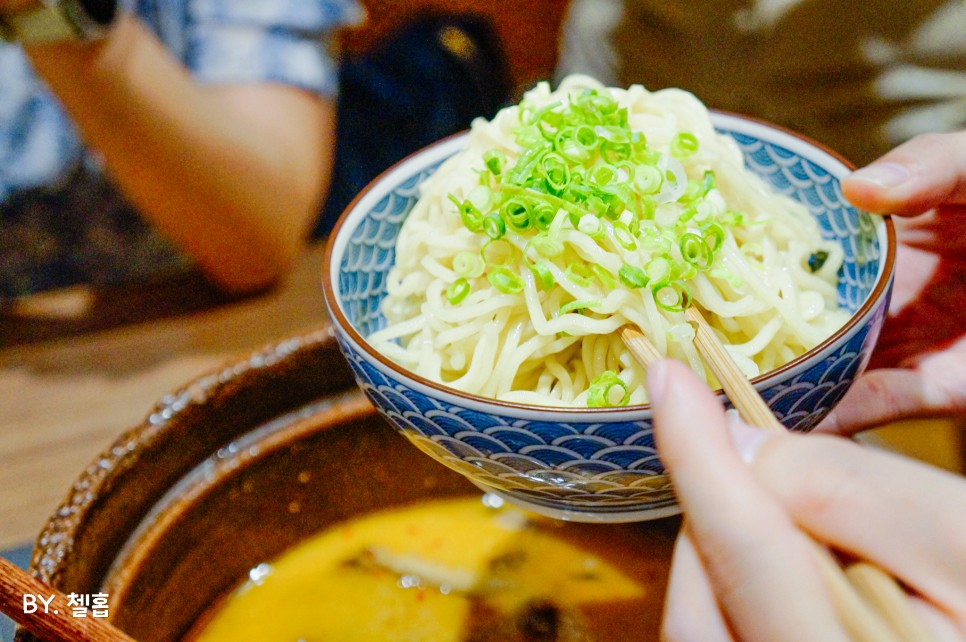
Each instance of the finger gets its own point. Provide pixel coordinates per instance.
(691, 612)
(912, 178)
(904, 516)
(887, 395)
(876, 398)
(753, 553)
(939, 624)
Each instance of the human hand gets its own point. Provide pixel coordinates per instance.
(744, 568)
(918, 368)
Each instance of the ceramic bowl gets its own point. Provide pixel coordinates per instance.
(600, 464)
(231, 470)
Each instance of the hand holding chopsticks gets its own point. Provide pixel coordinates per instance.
(869, 603)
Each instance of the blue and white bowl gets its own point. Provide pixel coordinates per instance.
(595, 464)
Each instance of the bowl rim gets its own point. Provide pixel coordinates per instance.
(790, 139)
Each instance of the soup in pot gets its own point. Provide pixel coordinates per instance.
(461, 569)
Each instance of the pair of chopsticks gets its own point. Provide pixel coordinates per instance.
(870, 603)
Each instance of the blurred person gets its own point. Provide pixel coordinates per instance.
(136, 141)
(860, 77)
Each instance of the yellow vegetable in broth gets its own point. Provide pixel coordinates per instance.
(451, 570)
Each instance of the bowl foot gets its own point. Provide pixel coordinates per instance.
(611, 516)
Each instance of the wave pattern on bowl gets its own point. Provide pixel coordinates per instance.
(817, 189)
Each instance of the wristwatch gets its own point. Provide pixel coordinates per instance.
(58, 20)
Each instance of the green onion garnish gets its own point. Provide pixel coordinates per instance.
(600, 392)
(494, 226)
(606, 278)
(683, 144)
(505, 281)
(541, 270)
(467, 264)
(582, 170)
(457, 291)
(472, 218)
(494, 160)
(673, 297)
(632, 277)
(578, 305)
(498, 252)
(695, 251)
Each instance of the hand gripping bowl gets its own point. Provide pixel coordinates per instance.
(595, 464)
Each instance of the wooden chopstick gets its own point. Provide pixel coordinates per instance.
(889, 600)
(54, 622)
(871, 605)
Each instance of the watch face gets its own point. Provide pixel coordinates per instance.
(100, 11)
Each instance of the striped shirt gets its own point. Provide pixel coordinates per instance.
(61, 221)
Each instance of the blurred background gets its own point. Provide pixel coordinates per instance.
(79, 365)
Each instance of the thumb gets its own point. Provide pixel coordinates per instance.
(920, 174)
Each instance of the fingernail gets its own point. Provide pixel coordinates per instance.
(746, 440)
(657, 380)
(883, 174)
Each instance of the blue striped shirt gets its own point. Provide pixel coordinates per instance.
(61, 222)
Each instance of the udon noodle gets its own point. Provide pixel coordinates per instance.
(585, 208)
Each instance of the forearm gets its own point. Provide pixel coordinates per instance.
(232, 175)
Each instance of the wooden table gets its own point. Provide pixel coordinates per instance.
(76, 370)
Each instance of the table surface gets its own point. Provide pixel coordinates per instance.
(78, 368)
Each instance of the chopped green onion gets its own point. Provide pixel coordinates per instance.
(604, 175)
(600, 392)
(494, 160)
(471, 217)
(648, 179)
(683, 144)
(468, 264)
(673, 297)
(498, 252)
(542, 214)
(505, 280)
(457, 291)
(589, 225)
(541, 270)
(695, 251)
(632, 277)
(715, 233)
(624, 237)
(606, 278)
(693, 191)
(658, 270)
(494, 226)
(578, 305)
(546, 245)
(732, 218)
(516, 211)
(556, 171)
(579, 274)
(586, 137)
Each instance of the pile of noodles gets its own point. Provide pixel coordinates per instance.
(585, 208)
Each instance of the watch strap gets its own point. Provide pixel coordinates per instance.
(50, 21)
